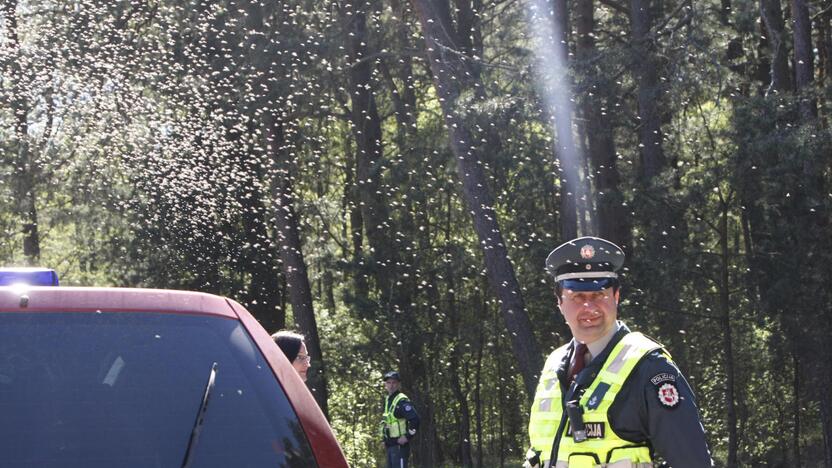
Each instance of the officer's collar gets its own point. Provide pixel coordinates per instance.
(603, 346)
(597, 346)
(621, 330)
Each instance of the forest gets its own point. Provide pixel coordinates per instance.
(388, 177)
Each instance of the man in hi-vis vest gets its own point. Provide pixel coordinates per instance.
(610, 397)
(399, 422)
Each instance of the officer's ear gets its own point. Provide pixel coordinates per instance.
(559, 298)
(560, 302)
(558, 294)
(617, 295)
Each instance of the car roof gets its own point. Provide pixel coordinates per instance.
(72, 299)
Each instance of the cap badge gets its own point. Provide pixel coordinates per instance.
(587, 252)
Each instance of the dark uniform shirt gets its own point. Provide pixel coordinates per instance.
(404, 410)
(655, 405)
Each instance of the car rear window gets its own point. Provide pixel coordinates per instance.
(124, 389)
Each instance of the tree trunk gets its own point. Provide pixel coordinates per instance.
(727, 345)
(294, 269)
(660, 214)
(567, 153)
(449, 72)
(328, 288)
(464, 416)
(610, 222)
(772, 15)
(26, 164)
(647, 66)
(826, 426)
(803, 59)
(261, 265)
(583, 199)
(550, 26)
(824, 42)
(354, 229)
(725, 12)
(477, 392)
(463, 433)
(389, 265)
(501, 396)
(366, 126)
(260, 260)
(28, 201)
(807, 105)
(404, 99)
(797, 404)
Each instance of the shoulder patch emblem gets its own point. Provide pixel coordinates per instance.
(662, 377)
(668, 395)
(408, 407)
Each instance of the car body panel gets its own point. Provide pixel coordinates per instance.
(320, 436)
(114, 300)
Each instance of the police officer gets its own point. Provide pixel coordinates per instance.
(609, 397)
(400, 422)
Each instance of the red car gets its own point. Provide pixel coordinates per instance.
(109, 377)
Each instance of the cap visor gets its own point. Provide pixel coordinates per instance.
(587, 284)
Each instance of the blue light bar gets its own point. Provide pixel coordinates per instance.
(29, 276)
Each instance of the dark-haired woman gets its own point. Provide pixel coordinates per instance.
(293, 346)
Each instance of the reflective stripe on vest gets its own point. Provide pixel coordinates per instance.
(604, 448)
(395, 428)
(618, 464)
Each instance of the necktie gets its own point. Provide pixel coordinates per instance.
(578, 359)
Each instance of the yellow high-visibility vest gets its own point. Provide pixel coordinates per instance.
(393, 427)
(603, 446)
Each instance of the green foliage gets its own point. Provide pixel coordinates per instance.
(158, 132)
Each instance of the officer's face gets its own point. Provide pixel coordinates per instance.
(589, 314)
(391, 385)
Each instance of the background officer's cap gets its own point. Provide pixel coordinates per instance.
(391, 375)
(586, 264)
